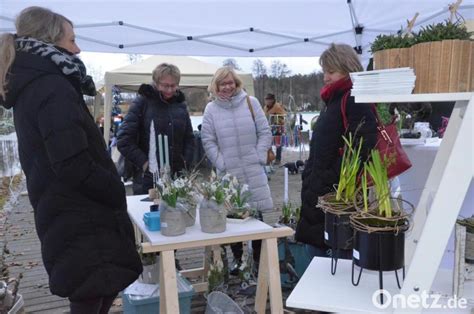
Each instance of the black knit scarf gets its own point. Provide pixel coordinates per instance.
(68, 63)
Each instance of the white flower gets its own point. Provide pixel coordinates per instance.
(227, 178)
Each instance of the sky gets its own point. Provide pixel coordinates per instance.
(98, 63)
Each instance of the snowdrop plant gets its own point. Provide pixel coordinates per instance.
(237, 204)
(214, 190)
(167, 189)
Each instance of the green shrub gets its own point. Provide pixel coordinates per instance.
(434, 32)
(442, 31)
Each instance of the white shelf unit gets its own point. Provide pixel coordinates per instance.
(319, 290)
(444, 192)
(433, 221)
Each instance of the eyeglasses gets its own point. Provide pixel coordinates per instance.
(168, 86)
(224, 84)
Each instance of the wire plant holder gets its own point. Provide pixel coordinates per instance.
(338, 232)
(379, 242)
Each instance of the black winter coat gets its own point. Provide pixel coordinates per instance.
(323, 166)
(169, 118)
(87, 239)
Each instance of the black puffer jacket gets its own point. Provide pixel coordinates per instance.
(170, 118)
(323, 166)
(87, 239)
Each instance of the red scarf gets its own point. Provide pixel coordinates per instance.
(328, 91)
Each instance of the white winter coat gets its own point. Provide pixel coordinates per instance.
(235, 144)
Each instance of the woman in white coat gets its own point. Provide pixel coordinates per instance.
(236, 139)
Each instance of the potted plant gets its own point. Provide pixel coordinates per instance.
(237, 205)
(171, 210)
(187, 196)
(212, 213)
(292, 255)
(439, 54)
(151, 267)
(338, 206)
(468, 223)
(380, 225)
(218, 273)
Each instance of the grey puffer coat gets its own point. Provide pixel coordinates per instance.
(235, 144)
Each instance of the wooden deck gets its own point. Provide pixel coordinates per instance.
(22, 258)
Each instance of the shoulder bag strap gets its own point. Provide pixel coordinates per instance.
(250, 108)
(343, 110)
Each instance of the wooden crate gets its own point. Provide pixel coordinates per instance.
(440, 67)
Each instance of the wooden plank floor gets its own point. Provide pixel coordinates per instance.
(22, 258)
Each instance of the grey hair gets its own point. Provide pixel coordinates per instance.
(36, 22)
(164, 69)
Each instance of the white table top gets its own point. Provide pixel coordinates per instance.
(319, 290)
(136, 208)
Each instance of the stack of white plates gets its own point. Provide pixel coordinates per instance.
(400, 81)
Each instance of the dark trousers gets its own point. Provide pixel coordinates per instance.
(92, 306)
(237, 250)
(278, 153)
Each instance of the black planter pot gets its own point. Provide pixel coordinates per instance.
(384, 251)
(338, 232)
(379, 251)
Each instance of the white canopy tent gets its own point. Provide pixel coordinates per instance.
(251, 28)
(193, 73)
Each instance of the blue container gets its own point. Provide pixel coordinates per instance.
(152, 220)
(298, 258)
(146, 305)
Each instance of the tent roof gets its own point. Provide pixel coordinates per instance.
(234, 27)
(187, 66)
(193, 73)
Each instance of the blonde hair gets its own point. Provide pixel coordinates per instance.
(36, 22)
(340, 58)
(164, 69)
(220, 75)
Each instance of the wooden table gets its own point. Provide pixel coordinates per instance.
(269, 270)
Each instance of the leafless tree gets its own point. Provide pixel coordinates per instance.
(260, 77)
(231, 62)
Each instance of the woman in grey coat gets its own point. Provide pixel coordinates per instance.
(236, 139)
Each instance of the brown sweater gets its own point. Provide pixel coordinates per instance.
(276, 109)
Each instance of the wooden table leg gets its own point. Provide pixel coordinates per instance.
(274, 283)
(262, 281)
(168, 285)
(206, 263)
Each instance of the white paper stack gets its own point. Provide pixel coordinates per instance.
(400, 81)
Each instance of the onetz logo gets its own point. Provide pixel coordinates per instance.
(416, 301)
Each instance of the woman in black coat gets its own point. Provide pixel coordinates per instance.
(163, 104)
(323, 167)
(87, 239)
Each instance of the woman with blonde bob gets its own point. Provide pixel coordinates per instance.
(236, 136)
(87, 239)
(323, 167)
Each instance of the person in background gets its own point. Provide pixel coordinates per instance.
(80, 210)
(276, 117)
(322, 169)
(236, 142)
(163, 103)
